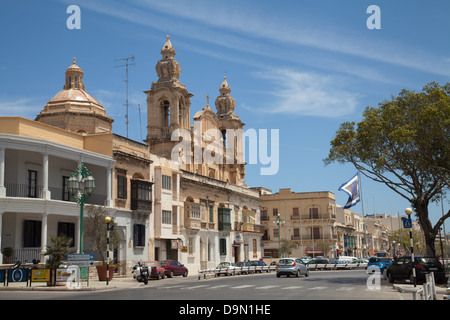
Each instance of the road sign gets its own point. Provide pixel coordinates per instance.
(407, 223)
(81, 260)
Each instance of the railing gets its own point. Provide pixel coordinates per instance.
(17, 190)
(26, 255)
(202, 273)
(23, 190)
(234, 271)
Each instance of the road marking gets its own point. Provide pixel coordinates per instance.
(292, 288)
(317, 288)
(267, 287)
(220, 286)
(195, 287)
(345, 289)
(171, 287)
(244, 286)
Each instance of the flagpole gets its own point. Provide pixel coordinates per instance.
(361, 193)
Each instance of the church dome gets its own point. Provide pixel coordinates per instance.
(74, 104)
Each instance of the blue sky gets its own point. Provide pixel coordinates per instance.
(302, 67)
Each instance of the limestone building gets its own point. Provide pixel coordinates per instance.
(204, 213)
(304, 221)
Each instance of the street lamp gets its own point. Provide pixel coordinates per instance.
(80, 185)
(409, 211)
(107, 220)
(278, 221)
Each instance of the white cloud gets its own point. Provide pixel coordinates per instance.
(20, 107)
(309, 94)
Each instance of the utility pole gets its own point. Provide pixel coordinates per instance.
(129, 61)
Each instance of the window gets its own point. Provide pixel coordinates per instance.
(65, 190)
(139, 235)
(223, 246)
(275, 233)
(167, 182)
(316, 233)
(32, 184)
(314, 213)
(211, 213)
(295, 212)
(275, 211)
(191, 245)
(32, 234)
(255, 248)
(121, 186)
(166, 217)
(68, 229)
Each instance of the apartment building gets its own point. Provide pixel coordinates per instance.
(306, 220)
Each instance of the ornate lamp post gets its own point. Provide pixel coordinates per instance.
(278, 221)
(80, 185)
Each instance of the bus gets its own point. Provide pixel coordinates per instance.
(382, 254)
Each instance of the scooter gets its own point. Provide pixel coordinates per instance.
(140, 273)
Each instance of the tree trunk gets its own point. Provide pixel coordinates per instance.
(421, 207)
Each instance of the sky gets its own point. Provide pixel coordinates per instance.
(299, 67)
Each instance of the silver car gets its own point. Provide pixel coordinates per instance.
(292, 266)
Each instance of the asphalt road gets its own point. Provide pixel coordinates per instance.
(320, 285)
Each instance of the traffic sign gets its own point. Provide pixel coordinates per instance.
(407, 223)
(81, 260)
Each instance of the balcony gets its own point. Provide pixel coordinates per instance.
(16, 190)
(192, 216)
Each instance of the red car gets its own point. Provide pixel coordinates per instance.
(174, 268)
(155, 269)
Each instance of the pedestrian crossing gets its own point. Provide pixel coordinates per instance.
(252, 287)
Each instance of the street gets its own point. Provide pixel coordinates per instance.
(320, 285)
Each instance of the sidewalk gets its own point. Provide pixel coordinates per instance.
(94, 284)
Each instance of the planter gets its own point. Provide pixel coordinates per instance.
(101, 271)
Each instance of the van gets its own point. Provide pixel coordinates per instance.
(347, 259)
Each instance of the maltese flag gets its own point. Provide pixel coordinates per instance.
(351, 187)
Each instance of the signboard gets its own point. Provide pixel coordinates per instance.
(407, 223)
(81, 260)
(17, 275)
(40, 275)
(2, 275)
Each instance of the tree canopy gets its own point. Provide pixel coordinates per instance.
(404, 143)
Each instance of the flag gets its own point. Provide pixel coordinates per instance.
(351, 187)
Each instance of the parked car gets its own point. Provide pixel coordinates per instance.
(228, 268)
(292, 266)
(338, 264)
(319, 260)
(259, 263)
(174, 268)
(246, 265)
(402, 269)
(155, 269)
(378, 264)
(361, 260)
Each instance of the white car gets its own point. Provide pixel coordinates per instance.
(227, 268)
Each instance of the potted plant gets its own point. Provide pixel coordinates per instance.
(57, 249)
(7, 254)
(95, 229)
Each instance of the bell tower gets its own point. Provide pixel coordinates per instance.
(168, 104)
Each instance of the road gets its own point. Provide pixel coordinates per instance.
(320, 285)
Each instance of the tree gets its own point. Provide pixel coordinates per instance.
(286, 247)
(96, 230)
(58, 248)
(404, 143)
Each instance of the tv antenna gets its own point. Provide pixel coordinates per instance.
(129, 61)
